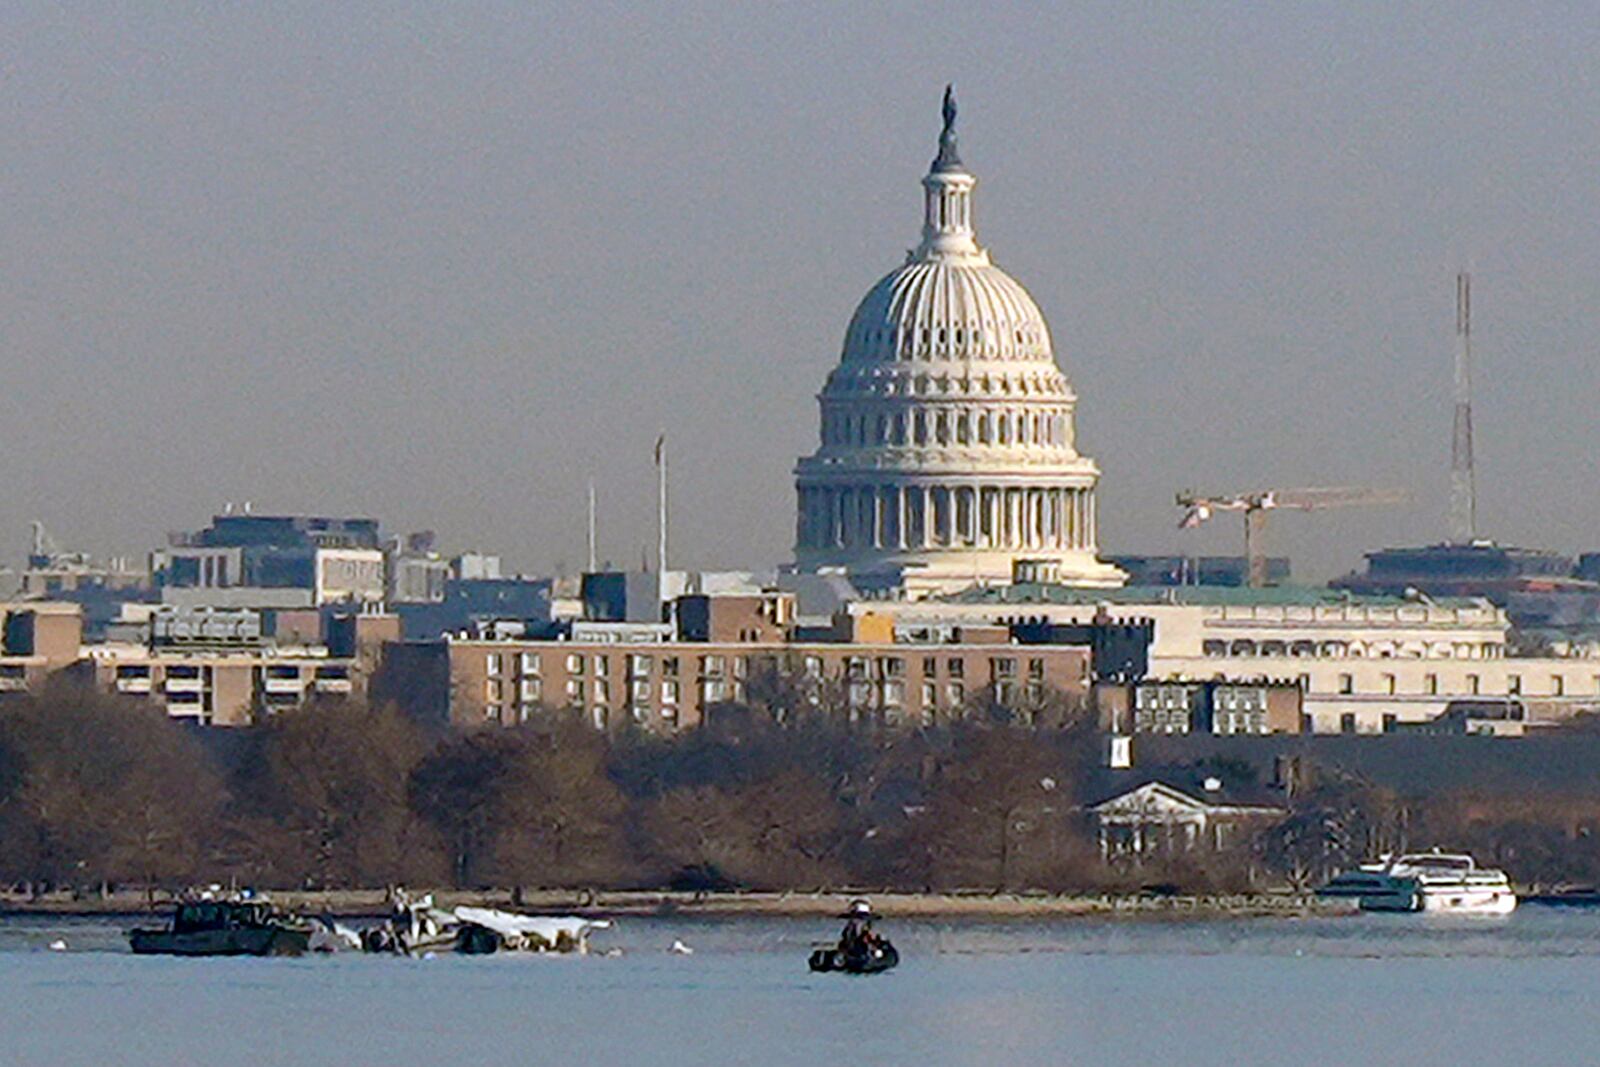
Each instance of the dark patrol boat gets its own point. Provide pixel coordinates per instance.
(860, 950)
(245, 925)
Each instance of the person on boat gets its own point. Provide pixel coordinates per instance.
(857, 935)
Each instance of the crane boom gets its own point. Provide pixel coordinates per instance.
(1256, 503)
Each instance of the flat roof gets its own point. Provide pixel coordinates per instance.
(1190, 596)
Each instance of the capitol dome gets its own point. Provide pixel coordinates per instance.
(948, 451)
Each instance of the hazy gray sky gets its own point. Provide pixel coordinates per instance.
(442, 264)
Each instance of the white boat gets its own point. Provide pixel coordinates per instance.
(1436, 882)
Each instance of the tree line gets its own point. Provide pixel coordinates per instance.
(97, 791)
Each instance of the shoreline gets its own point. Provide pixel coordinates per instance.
(665, 903)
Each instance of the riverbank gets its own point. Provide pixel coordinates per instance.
(975, 905)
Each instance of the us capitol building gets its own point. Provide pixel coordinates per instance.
(948, 454)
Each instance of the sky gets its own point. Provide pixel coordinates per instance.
(444, 264)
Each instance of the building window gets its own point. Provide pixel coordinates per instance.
(492, 691)
(602, 666)
(1514, 684)
(1388, 684)
(1431, 684)
(930, 694)
(1347, 684)
(1472, 684)
(493, 664)
(1036, 670)
(532, 689)
(531, 663)
(575, 664)
(638, 665)
(1558, 686)
(956, 668)
(1004, 667)
(575, 691)
(958, 694)
(669, 692)
(711, 665)
(930, 666)
(669, 666)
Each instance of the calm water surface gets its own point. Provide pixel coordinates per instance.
(1363, 990)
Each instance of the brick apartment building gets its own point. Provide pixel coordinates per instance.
(731, 648)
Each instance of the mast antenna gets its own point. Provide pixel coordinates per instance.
(1463, 477)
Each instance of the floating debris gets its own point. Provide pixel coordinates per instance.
(417, 927)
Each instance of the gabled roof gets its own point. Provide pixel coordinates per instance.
(1159, 798)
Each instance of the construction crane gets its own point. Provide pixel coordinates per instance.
(1256, 505)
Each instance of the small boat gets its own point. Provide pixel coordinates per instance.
(878, 958)
(414, 928)
(859, 950)
(242, 925)
(1435, 882)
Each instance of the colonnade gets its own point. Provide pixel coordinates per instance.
(890, 517)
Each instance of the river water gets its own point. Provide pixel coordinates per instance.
(1330, 991)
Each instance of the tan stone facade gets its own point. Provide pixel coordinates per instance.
(220, 688)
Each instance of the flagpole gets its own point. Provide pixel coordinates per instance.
(593, 562)
(661, 517)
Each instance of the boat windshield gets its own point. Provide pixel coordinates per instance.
(1432, 859)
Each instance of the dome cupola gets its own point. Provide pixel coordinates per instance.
(947, 446)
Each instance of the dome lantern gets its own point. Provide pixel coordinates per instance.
(947, 197)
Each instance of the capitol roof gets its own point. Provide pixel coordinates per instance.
(1024, 593)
